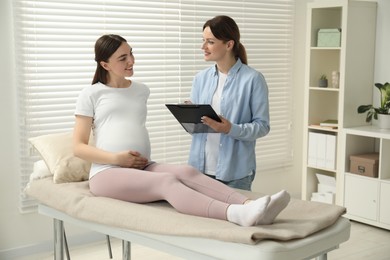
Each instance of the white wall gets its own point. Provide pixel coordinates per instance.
(19, 233)
(12, 224)
(290, 178)
(23, 231)
(382, 55)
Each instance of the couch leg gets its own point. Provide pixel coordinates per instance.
(66, 246)
(126, 250)
(109, 246)
(322, 257)
(58, 239)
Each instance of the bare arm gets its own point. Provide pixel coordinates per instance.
(81, 148)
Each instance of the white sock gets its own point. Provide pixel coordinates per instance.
(247, 214)
(279, 202)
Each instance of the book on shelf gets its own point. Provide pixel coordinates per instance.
(325, 127)
(330, 122)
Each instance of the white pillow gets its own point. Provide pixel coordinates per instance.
(57, 152)
(40, 171)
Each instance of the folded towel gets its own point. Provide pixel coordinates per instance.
(298, 220)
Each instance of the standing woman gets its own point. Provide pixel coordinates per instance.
(240, 95)
(114, 108)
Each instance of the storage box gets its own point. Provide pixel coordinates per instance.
(326, 183)
(326, 197)
(329, 37)
(326, 189)
(365, 164)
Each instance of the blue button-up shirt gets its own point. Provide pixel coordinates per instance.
(244, 102)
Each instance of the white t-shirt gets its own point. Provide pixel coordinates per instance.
(213, 139)
(119, 116)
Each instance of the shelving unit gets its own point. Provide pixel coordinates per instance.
(357, 21)
(367, 198)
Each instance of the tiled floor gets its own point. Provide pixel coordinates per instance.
(366, 243)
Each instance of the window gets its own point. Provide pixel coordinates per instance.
(54, 56)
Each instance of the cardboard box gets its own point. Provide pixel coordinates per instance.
(365, 164)
(329, 37)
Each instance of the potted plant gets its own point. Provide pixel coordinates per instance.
(323, 81)
(383, 110)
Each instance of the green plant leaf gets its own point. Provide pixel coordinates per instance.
(385, 93)
(372, 112)
(364, 108)
(369, 116)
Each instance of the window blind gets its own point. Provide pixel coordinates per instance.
(55, 60)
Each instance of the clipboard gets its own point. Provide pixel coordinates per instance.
(189, 116)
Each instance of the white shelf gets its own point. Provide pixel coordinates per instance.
(325, 48)
(324, 129)
(321, 168)
(369, 130)
(355, 84)
(324, 89)
(359, 140)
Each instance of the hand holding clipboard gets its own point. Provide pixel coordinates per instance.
(190, 116)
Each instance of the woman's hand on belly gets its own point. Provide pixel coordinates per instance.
(131, 159)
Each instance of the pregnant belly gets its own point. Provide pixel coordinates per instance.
(118, 140)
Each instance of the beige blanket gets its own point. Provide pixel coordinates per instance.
(298, 220)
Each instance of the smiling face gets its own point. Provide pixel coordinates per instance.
(215, 49)
(120, 64)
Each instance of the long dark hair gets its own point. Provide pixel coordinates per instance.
(105, 46)
(224, 28)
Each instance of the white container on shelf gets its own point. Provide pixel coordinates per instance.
(383, 121)
(329, 37)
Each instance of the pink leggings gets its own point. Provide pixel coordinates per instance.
(182, 186)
